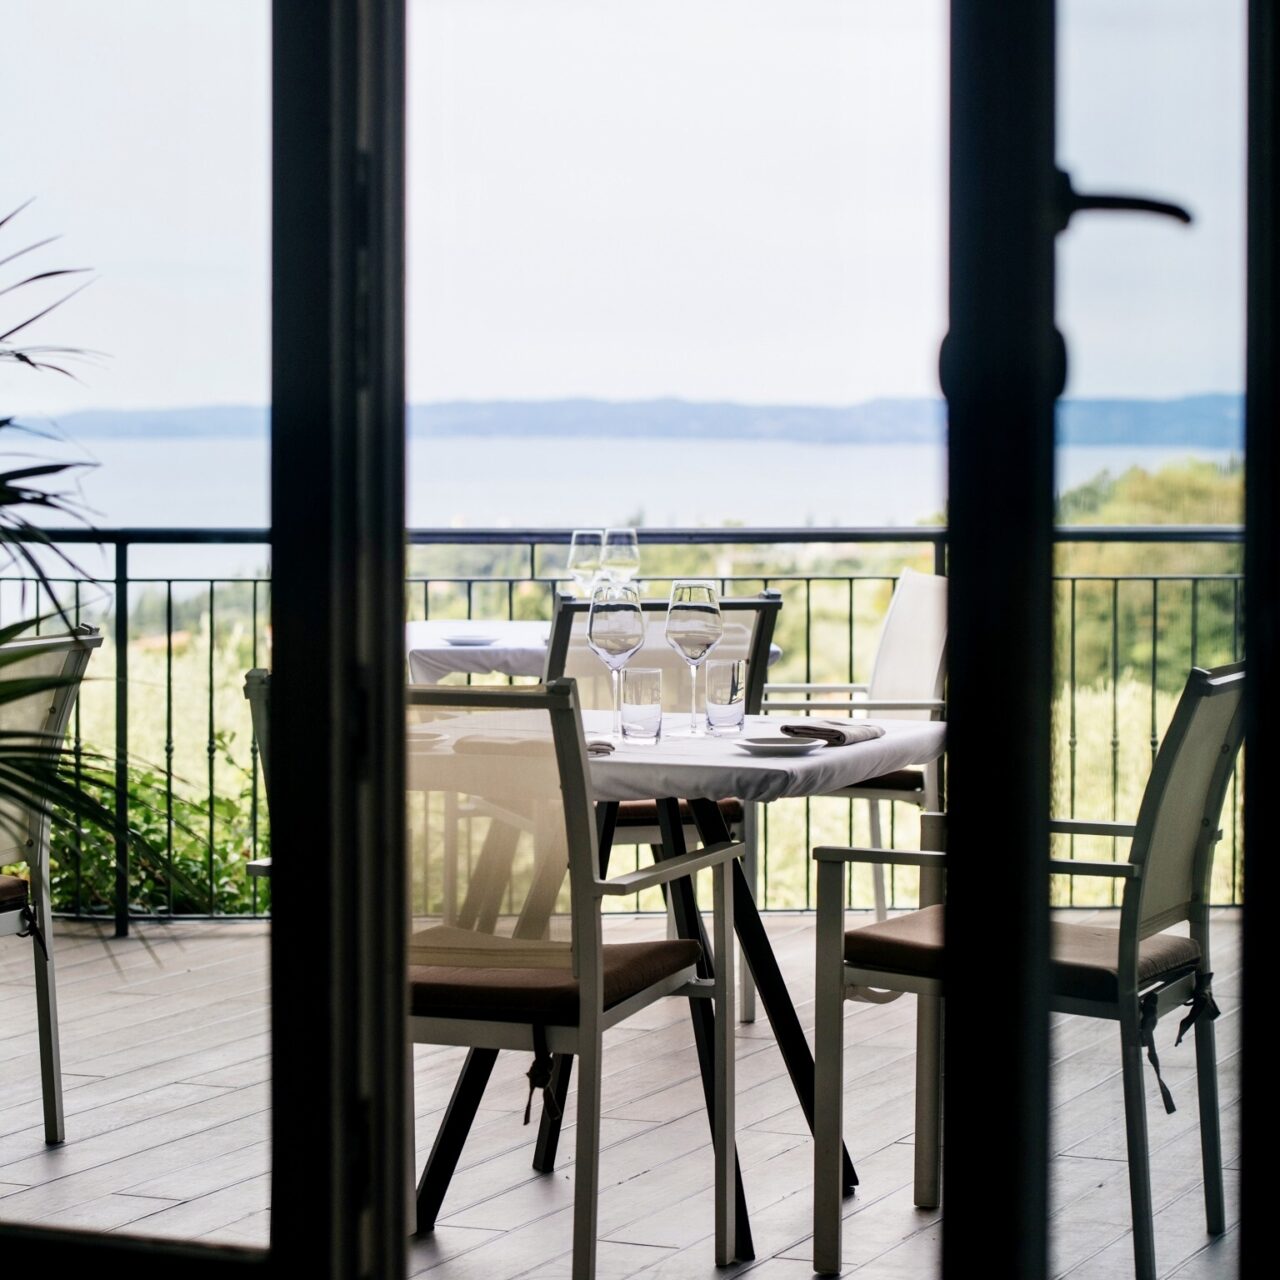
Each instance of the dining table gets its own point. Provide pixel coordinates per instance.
(437, 648)
(700, 770)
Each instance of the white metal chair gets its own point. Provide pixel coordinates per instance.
(906, 681)
(522, 963)
(38, 720)
(1132, 975)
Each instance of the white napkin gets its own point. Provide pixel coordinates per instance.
(834, 733)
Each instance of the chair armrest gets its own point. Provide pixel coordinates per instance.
(671, 869)
(1083, 827)
(889, 857)
(1113, 870)
(899, 704)
(259, 867)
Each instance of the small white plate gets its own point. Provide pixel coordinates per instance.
(779, 746)
(469, 640)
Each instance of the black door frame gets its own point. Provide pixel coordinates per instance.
(1001, 373)
(1262, 626)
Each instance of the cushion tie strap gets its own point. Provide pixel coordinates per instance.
(539, 1074)
(1201, 1004)
(1150, 1012)
(32, 929)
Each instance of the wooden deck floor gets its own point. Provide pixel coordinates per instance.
(166, 1060)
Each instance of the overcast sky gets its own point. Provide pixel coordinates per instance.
(715, 199)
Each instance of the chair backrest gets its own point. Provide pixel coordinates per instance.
(748, 634)
(257, 688)
(1177, 825)
(501, 842)
(51, 668)
(911, 658)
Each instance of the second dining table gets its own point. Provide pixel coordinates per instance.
(702, 771)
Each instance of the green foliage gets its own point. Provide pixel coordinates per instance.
(187, 857)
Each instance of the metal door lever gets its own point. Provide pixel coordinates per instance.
(1071, 201)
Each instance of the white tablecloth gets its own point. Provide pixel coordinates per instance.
(518, 649)
(713, 768)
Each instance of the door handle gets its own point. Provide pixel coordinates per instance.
(1070, 201)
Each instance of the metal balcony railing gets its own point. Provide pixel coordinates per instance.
(162, 728)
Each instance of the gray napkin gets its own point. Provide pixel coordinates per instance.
(599, 747)
(833, 733)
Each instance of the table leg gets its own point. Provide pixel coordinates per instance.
(454, 1128)
(758, 953)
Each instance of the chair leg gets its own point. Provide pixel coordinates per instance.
(47, 1016)
(724, 1138)
(751, 869)
(877, 869)
(1135, 1124)
(1215, 1210)
(586, 1173)
(928, 1171)
(828, 1059)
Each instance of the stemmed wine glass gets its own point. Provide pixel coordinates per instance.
(621, 560)
(585, 553)
(694, 628)
(615, 632)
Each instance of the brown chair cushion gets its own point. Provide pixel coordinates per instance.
(13, 893)
(644, 813)
(1085, 957)
(547, 996)
(898, 780)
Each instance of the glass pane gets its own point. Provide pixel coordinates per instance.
(145, 153)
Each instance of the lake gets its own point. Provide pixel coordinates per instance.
(456, 482)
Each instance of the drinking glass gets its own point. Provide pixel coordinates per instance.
(641, 705)
(694, 628)
(726, 684)
(585, 551)
(615, 631)
(621, 560)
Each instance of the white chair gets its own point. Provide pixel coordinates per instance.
(522, 963)
(39, 679)
(906, 682)
(1131, 975)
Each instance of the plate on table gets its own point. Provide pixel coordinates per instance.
(469, 640)
(779, 746)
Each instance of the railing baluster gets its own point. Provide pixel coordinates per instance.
(212, 751)
(122, 737)
(168, 740)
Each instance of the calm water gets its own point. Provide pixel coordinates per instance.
(456, 482)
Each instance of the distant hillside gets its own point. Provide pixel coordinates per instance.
(1207, 421)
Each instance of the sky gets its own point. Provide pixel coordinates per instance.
(714, 199)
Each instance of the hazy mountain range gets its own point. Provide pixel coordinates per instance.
(1214, 421)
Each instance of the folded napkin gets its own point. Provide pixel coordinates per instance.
(834, 735)
(599, 747)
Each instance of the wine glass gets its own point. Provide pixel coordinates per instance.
(694, 628)
(621, 560)
(585, 552)
(615, 632)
